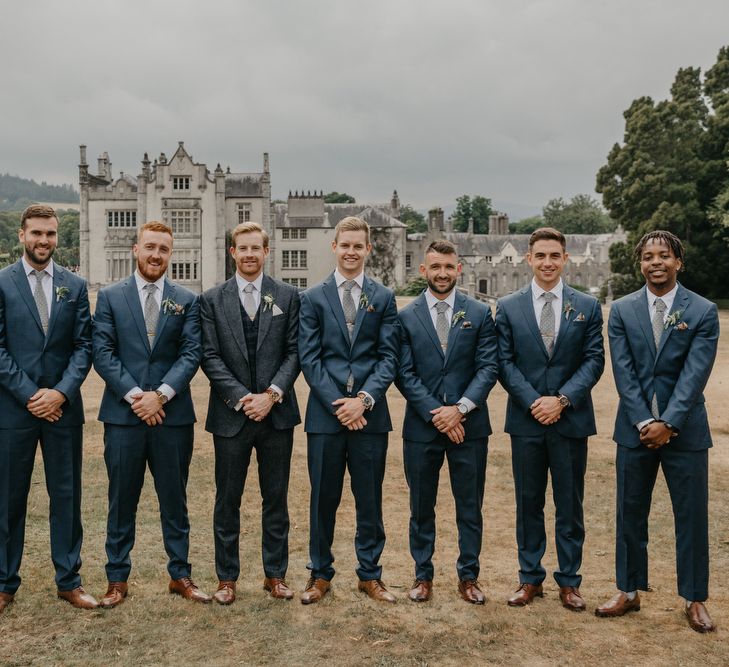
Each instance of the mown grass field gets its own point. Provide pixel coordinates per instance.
(154, 628)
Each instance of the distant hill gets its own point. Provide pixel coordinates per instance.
(16, 193)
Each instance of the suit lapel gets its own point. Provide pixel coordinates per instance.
(232, 308)
(21, 281)
(368, 290)
(640, 308)
(268, 287)
(135, 308)
(330, 292)
(59, 281)
(454, 329)
(680, 303)
(527, 307)
(423, 314)
(568, 297)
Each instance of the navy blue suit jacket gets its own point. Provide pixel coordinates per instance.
(123, 358)
(677, 372)
(29, 359)
(527, 371)
(327, 358)
(428, 379)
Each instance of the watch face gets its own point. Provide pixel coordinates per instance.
(462, 409)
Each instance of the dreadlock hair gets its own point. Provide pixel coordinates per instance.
(661, 236)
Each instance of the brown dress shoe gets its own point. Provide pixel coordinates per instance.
(5, 600)
(618, 605)
(315, 590)
(115, 594)
(376, 590)
(187, 589)
(471, 592)
(421, 591)
(225, 593)
(79, 598)
(571, 598)
(278, 588)
(525, 595)
(698, 617)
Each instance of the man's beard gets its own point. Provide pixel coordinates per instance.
(440, 290)
(37, 260)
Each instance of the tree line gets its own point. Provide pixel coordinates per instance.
(16, 193)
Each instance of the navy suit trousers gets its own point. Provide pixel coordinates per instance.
(61, 447)
(467, 468)
(686, 474)
(127, 451)
(532, 458)
(364, 455)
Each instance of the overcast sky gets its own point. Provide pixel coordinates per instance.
(519, 101)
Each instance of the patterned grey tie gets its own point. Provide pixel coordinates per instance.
(40, 298)
(441, 324)
(350, 310)
(546, 322)
(658, 327)
(151, 312)
(249, 303)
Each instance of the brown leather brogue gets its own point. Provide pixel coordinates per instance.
(225, 593)
(115, 594)
(571, 598)
(470, 591)
(525, 595)
(421, 591)
(187, 589)
(79, 598)
(5, 600)
(618, 605)
(698, 617)
(315, 590)
(376, 590)
(278, 588)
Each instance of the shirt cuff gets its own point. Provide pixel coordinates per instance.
(278, 390)
(239, 405)
(167, 391)
(468, 403)
(641, 425)
(130, 393)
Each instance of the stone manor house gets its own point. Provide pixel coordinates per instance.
(203, 206)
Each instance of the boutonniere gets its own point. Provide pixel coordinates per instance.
(467, 325)
(567, 309)
(580, 317)
(370, 309)
(673, 320)
(61, 293)
(457, 317)
(268, 303)
(169, 307)
(364, 302)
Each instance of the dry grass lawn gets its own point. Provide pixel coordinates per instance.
(154, 628)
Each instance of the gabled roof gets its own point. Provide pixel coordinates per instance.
(375, 215)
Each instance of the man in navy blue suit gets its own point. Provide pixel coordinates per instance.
(45, 355)
(147, 348)
(551, 355)
(448, 365)
(348, 346)
(663, 342)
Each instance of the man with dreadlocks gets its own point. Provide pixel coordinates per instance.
(663, 341)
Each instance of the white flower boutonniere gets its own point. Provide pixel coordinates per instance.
(673, 320)
(457, 317)
(169, 307)
(268, 303)
(567, 309)
(61, 293)
(363, 300)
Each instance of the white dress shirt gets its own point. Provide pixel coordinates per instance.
(538, 303)
(157, 295)
(432, 302)
(46, 282)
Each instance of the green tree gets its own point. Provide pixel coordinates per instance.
(527, 225)
(339, 198)
(478, 208)
(582, 215)
(414, 220)
(414, 287)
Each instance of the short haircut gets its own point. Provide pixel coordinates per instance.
(248, 228)
(661, 235)
(352, 224)
(154, 226)
(547, 234)
(443, 247)
(37, 211)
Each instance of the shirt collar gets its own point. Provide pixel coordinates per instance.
(339, 279)
(243, 283)
(667, 298)
(556, 290)
(142, 282)
(28, 268)
(432, 300)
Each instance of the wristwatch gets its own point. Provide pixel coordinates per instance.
(462, 408)
(366, 400)
(162, 398)
(563, 400)
(273, 395)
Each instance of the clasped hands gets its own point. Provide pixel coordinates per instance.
(257, 406)
(350, 413)
(546, 410)
(656, 435)
(449, 420)
(46, 404)
(147, 406)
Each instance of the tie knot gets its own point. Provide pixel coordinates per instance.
(38, 274)
(441, 307)
(150, 288)
(660, 306)
(348, 285)
(248, 289)
(549, 297)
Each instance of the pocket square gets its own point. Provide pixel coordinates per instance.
(466, 325)
(276, 311)
(580, 317)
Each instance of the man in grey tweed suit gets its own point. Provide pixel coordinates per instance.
(250, 354)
